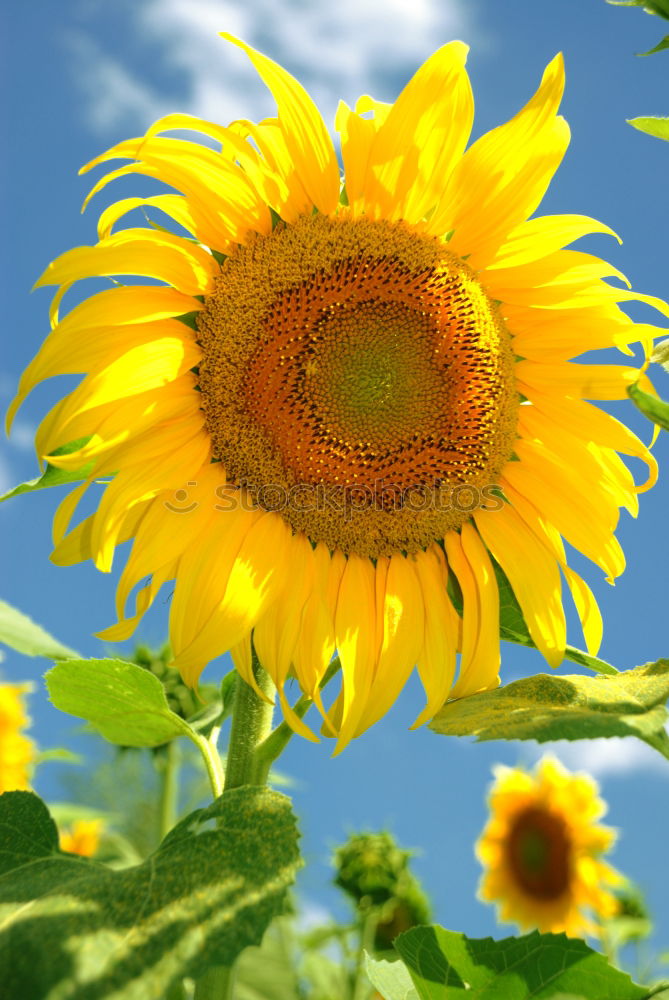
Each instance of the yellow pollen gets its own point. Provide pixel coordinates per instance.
(356, 378)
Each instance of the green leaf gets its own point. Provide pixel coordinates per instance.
(658, 7)
(512, 628)
(123, 702)
(652, 407)
(53, 476)
(445, 965)
(574, 707)
(664, 44)
(657, 127)
(267, 971)
(391, 979)
(76, 929)
(23, 635)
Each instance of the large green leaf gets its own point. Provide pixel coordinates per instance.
(574, 707)
(653, 408)
(24, 635)
(445, 965)
(52, 475)
(268, 971)
(126, 704)
(73, 929)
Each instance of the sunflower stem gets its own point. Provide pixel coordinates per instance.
(215, 984)
(251, 725)
(274, 744)
(169, 767)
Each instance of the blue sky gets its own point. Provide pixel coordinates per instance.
(83, 74)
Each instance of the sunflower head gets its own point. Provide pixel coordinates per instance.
(17, 751)
(82, 838)
(542, 851)
(340, 401)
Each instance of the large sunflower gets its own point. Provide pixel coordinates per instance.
(541, 851)
(347, 403)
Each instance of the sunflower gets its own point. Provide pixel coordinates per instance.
(342, 409)
(541, 850)
(82, 838)
(17, 751)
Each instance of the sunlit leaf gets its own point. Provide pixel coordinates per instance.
(123, 702)
(657, 127)
(392, 980)
(25, 636)
(574, 707)
(53, 476)
(446, 965)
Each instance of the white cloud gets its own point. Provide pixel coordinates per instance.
(22, 436)
(111, 92)
(336, 49)
(607, 757)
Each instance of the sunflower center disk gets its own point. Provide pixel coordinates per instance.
(539, 854)
(357, 379)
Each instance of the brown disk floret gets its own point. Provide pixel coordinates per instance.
(357, 378)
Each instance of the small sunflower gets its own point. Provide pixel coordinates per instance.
(17, 751)
(342, 407)
(82, 838)
(541, 851)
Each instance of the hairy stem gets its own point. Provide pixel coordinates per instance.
(168, 768)
(251, 724)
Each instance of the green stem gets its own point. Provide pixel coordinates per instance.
(212, 761)
(271, 747)
(251, 724)
(214, 984)
(367, 934)
(168, 806)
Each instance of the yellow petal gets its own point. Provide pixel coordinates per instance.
(542, 236)
(533, 574)
(355, 625)
(357, 136)
(578, 417)
(171, 259)
(502, 178)
(173, 205)
(402, 637)
(306, 136)
(581, 381)
(436, 662)
(479, 666)
(426, 130)
(117, 306)
(255, 578)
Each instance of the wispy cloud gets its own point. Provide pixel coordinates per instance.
(112, 94)
(608, 757)
(337, 49)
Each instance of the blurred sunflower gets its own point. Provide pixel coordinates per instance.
(83, 837)
(17, 751)
(346, 401)
(541, 851)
